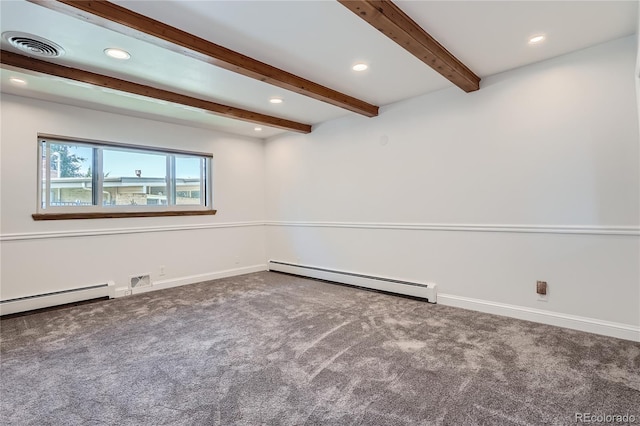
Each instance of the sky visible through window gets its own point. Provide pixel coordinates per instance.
(124, 163)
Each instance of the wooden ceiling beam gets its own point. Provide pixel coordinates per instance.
(24, 62)
(127, 22)
(390, 20)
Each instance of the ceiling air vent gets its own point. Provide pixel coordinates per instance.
(33, 45)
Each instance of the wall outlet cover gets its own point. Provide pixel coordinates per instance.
(541, 287)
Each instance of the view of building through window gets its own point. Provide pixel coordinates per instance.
(125, 176)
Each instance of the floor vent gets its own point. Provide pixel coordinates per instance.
(137, 281)
(55, 298)
(424, 291)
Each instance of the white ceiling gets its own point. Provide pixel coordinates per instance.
(317, 40)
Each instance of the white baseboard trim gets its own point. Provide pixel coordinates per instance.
(192, 279)
(590, 325)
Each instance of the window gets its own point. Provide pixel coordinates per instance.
(85, 179)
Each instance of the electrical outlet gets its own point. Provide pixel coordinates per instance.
(542, 291)
(127, 292)
(162, 268)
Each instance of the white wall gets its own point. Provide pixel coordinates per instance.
(638, 65)
(534, 177)
(46, 256)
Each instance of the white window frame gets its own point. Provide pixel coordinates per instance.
(45, 208)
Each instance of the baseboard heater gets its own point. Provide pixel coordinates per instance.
(425, 291)
(46, 300)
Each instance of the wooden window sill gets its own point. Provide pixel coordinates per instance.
(113, 215)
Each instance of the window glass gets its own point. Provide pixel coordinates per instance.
(189, 180)
(69, 174)
(88, 176)
(134, 178)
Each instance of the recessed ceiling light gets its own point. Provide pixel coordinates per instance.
(257, 129)
(18, 81)
(536, 39)
(117, 53)
(360, 67)
(275, 100)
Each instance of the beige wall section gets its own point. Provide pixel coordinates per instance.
(545, 149)
(88, 252)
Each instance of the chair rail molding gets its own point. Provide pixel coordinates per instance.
(627, 231)
(125, 230)
(632, 231)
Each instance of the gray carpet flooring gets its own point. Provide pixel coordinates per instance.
(273, 349)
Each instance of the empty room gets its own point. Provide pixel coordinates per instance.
(332, 212)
